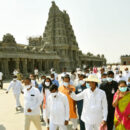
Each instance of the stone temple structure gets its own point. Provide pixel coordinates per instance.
(57, 48)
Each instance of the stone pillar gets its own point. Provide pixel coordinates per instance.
(32, 66)
(17, 63)
(5, 68)
(40, 65)
(46, 65)
(55, 64)
(25, 66)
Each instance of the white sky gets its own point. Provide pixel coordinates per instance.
(101, 26)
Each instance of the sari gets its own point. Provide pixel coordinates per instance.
(122, 112)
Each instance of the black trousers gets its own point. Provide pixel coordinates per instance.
(110, 121)
(82, 125)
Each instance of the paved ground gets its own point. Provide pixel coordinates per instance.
(9, 118)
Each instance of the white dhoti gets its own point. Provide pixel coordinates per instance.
(45, 117)
(92, 126)
(55, 126)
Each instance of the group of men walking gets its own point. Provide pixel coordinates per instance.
(84, 97)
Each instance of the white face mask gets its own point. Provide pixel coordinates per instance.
(43, 80)
(66, 84)
(81, 82)
(14, 79)
(54, 94)
(52, 78)
(27, 86)
(47, 84)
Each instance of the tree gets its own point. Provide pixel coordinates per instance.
(8, 38)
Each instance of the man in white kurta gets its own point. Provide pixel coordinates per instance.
(94, 106)
(17, 88)
(32, 102)
(57, 109)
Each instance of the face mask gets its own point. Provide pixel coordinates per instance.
(47, 84)
(87, 85)
(52, 79)
(14, 79)
(65, 84)
(43, 80)
(123, 89)
(104, 79)
(54, 94)
(128, 83)
(27, 86)
(53, 72)
(109, 79)
(81, 82)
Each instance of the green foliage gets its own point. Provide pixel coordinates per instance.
(8, 38)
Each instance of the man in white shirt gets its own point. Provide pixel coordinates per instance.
(95, 104)
(53, 72)
(1, 80)
(126, 74)
(33, 81)
(120, 77)
(32, 102)
(17, 87)
(57, 109)
(36, 73)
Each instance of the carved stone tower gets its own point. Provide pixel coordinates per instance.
(59, 36)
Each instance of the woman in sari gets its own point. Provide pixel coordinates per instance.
(121, 102)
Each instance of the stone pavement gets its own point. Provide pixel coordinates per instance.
(9, 118)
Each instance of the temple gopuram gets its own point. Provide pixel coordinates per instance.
(56, 48)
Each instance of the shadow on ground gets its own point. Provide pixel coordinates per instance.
(2, 127)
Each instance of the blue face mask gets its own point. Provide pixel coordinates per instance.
(87, 85)
(123, 89)
(104, 79)
(109, 79)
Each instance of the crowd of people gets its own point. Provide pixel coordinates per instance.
(94, 98)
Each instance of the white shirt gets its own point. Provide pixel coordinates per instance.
(55, 74)
(33, 83)
(1, 75)
(16, 86)
(32, 100)
(58, 109)
(36, 71)
(119, 78)
(126, 75)
(94, 106)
